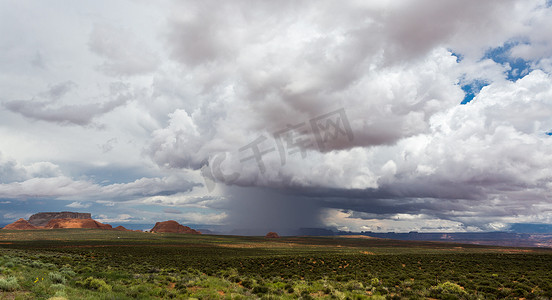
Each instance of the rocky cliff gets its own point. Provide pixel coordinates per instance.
(41, 219)
(173, 226)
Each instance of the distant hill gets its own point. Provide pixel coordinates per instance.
(173, 226)
(272, 235)
(20, 224)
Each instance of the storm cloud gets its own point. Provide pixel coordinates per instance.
(363, 115)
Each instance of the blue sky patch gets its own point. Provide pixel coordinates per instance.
(549, 133)
(472, 89)
(459, 57)
(518, 66)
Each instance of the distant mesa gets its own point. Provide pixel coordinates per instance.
(66, 219)
(76, 223)
(20, 224)
(54, 220)
(42, 219)
(172, 227)
(121, 228)
(272, 235)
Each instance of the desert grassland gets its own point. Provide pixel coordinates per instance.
(104, 264)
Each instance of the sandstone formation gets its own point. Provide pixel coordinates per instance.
(174, 227)
(272, 235)
(121, 228)
(41, 219)
(20, 224)
(76, 223)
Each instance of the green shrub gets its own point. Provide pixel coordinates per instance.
(354, 285)
(135, 291)
(37, 264)
(248, 283)
(8, 284)
(374, 281)
(57, 277)
(92, 283)
(306, 296)
(68, 272)
(448, 290)
(85, 270)
(49, 266)
(260, 289)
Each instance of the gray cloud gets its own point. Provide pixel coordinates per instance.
(83, 114)
(124, 54)
(30, 184)
(59, 90)
(109, 145)
(38, 61)
(265, 67)
(10, 171)
(172, 211)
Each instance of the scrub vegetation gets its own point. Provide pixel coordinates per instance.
(101, 264)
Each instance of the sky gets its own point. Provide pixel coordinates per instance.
(402, 116)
